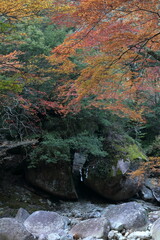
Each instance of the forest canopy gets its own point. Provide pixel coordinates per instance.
(118, 44)
(64, 56)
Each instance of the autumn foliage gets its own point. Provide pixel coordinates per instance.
(117, 42)
(13, 10)
(10, 62)
(110, 59)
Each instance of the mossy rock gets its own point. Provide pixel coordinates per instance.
(110, 176)
(132, 152)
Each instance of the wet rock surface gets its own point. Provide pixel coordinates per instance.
(131, 215)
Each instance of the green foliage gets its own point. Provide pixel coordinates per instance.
(54, 36)
(10, 84)
(88, 144)
(54, 148)
(35, 39)
(6, 27)
(96, 133)
(74, 133)
(84, 132)
(154, 148)
(153, 123)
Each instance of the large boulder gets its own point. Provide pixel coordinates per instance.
(111, 176)
(54, 178)
(96, 227)
(129, 215)
(43, 223)
(155, 230)
(11, 229)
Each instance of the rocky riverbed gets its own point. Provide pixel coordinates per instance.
(133, 220)
(90, 218)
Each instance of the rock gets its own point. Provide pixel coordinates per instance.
(115, 235)
(153, 216)
(74, 221)
(78, 162)
(109, 176)
(53, 236)
(54, 178)
(90, 238)
(149, 206)
(42, 237)
(156, 193)
(129, 215)
(111, 234)
(139, 235)
(11, 229)
(146, 194)
(44, 222)
(96, 227)
(115, 189)
(22, 215)
(151, 189)
(81, 210)
(155, 230)
(66, 237)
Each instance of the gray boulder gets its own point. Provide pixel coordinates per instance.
(11, 229)
(155, 230)
(43, 223)
(96, 227)
(129, 215)
(146, 194)
(151, 189)
(110, 176)
(54, 178)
